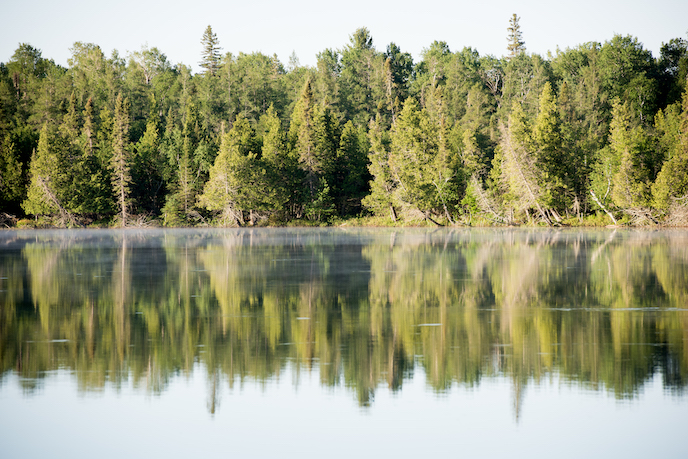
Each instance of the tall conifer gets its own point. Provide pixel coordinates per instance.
(120, 163)
(211, 52)
(515, 45)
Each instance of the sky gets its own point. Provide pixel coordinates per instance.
(307, 27)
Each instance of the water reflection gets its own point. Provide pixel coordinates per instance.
(362, 308)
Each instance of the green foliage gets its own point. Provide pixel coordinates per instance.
(350, 173)
(148, 166)
(211, 52)
(362, 78)
(673, 70)
(551, 156)
(121, 161)
(50, 176)
(520, 176)
(346, 143)
(237, 178)
(425, 171)
(382, 187)
(282, 177)
(630, 145)
(11, 180)
(672, 181)
(515, 45)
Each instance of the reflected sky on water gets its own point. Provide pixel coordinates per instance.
(471, 341)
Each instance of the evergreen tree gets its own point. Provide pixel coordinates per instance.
(320, 171)
(281, 167)
(399, 73)
(50, 178)
(550, 157)
(96, 190)
(312, 134)
(413, 159)
(515, 45)
(70, 128)
(350, 177)
(629, 143)
(120, 164)
(88, 131)
(671, 186)
(381, 199)
(327, 79)
(520, 175)
(362, 79)
(211, 52)
(11, 180)
(148, 164)
(237, 180)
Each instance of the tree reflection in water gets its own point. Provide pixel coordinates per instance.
(363, 308)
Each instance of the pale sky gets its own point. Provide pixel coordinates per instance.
(307, 27)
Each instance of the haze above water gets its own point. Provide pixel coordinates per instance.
(341, 342)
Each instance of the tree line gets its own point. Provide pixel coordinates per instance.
(590, 135)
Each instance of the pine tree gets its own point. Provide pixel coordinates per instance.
(120, 164)
(319, 170)
(515, 45)
(211, 52)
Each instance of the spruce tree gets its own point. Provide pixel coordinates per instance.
(211, 52)
(515, 45)
(120, 164)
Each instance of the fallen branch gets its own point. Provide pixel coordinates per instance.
(594, 197)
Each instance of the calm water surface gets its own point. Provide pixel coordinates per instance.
(343, 342)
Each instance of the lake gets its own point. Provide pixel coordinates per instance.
(343, 342)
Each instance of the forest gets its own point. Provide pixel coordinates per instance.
(593, 135)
